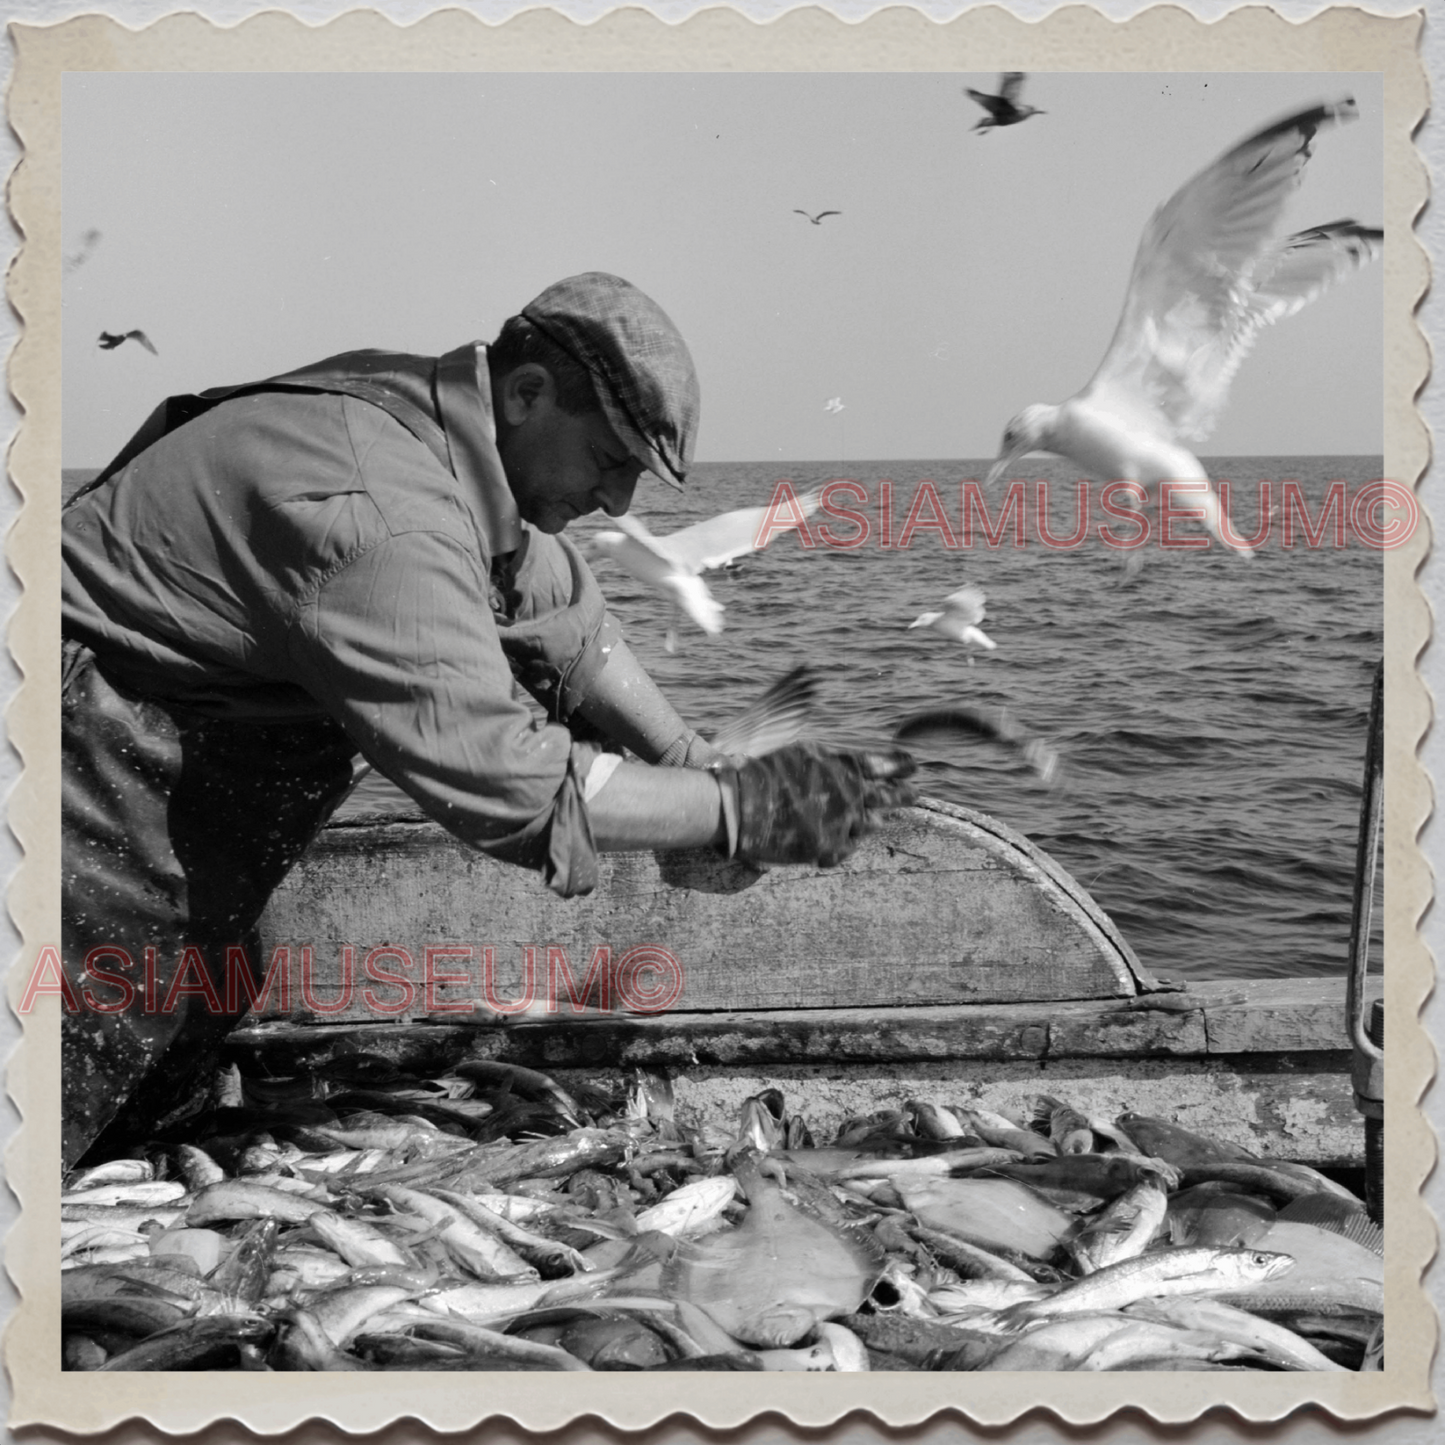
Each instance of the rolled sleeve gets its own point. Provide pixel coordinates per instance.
(401, 647)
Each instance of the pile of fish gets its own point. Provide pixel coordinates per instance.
(361, 1218)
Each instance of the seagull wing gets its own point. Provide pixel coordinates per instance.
(821, 214)
(143, 339)
(995, 105)
(1010, 83)
(722, 538)
(1192, 309)
(659, 547)
(88, 242)
(636, 557)
(780, 716)
(966, 604)
(1310, 262)
(650, 560)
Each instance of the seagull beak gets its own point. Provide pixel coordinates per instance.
(1005, 461)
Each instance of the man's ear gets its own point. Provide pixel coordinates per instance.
(524, 389)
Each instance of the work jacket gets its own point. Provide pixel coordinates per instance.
(266, 581)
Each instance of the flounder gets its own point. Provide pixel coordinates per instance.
(992, 1213)
(770, 1281)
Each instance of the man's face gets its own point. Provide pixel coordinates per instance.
(559, 466)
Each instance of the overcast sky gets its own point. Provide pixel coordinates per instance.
(252, 223)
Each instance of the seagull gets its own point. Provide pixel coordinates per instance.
(109, 340)
(818, 219)
(1208, 277)
(835, 405)
(1003, 108)
(951, 722)
(959, 619)
(674, 564)
(88, 242)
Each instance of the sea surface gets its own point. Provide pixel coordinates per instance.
(1209, 710)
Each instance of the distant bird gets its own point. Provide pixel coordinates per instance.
(1003, 108)
(88, 242)
(818, 219)
(109, 340)
(959, 618)
(962, 720)
(1207, 279)
(674, 564)
(835, 405)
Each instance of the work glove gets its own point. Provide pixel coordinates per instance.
(807, 804)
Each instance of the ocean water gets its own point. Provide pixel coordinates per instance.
(1209, 711)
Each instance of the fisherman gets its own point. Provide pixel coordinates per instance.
(365, 556)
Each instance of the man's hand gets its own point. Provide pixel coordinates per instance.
(807, 804)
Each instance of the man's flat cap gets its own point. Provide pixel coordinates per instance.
(646, 381)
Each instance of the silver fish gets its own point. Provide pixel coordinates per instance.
(1165, 1272)
(1124, 1229)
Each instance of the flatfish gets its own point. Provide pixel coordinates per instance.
(1221, 1218)
(1332, 1274)
(1327, 1211)
(992, 1213)
(779, 1273)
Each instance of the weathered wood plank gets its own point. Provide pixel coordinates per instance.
(1283, 1014)
(940, 906)
(1288, 1017)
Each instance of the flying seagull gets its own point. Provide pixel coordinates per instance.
(835, 405)
(961, 613)
(88, 242)
(109, 340)
(818, 219)
(1208, 277)
(1003, 108)
(674, 564)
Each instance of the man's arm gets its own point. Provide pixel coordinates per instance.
(626, 706)
(646, 807)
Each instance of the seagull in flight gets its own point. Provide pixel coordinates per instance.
(77, 258)
(1209, 275)
(674, 564)
(1003, 108)
(958, 619)
(109, 340)
(835, 405)
(818, 219)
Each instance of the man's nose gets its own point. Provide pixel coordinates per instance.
(614, 495)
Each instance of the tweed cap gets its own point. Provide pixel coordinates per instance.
(646, 381)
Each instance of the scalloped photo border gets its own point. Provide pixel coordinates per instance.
(1076, 38)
